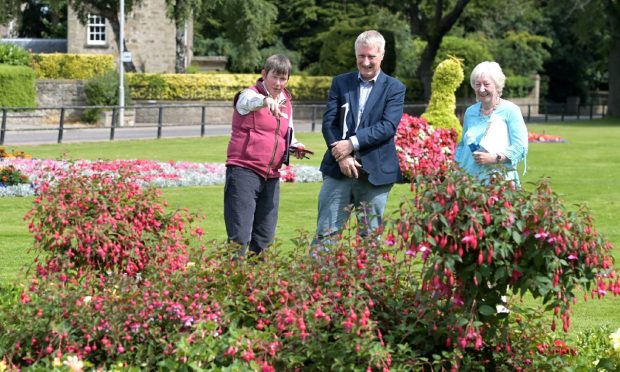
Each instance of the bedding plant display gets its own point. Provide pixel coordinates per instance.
(121, 283)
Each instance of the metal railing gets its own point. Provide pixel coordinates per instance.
(161, 116)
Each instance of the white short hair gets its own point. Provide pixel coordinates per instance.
(491, 70)
(372, 38)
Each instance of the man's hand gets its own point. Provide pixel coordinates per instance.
(349, 166)
(342, 149)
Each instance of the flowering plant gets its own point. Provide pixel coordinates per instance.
(543, 138)
(478, 241)
(10, 176)
(422, 149)
(13, 154)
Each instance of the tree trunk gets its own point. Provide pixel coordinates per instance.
(424, 71)
(181, 49)
(613, 95)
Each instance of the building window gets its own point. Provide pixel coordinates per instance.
(96, 30)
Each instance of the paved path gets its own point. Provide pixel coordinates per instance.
(48, 134)
(72, 134)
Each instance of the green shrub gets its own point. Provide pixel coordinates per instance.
(442, 105)
(469, 51)
(521, 53)
(13, 55)
(70, 66)
(518, 86)
(102, 90)
(218, 87)
(18, 86)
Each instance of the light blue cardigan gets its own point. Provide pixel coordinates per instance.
(476, 124)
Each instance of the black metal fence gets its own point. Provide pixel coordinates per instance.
(203, 116)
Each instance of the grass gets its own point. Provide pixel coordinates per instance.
(583, 170)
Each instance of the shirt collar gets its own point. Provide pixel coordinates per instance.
(371, 81)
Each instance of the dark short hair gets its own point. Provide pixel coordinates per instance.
(278, 63)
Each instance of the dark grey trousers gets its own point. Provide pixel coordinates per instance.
(250, 208)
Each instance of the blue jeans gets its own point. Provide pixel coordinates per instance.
(337, 195)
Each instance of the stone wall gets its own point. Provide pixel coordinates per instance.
(149, 36)
(57, 93)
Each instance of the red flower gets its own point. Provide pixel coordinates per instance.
(422, 149)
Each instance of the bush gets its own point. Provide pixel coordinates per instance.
(218, 86)
(13, 55)
(478, 243)
(102, 90)
(442, 105)
(518, 86)
(521, 53)
(119, 287)
(18, 86)
(70, 66)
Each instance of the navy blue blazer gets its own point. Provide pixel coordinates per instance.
(375, 134)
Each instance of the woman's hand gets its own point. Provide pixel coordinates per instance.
(485, 158)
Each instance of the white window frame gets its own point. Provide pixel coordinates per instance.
(96, 30)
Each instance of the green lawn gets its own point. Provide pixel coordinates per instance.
(583, 170)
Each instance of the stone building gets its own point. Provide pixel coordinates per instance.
(149, 36)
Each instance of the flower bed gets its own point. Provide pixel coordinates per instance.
(120, 283)
(543, 138)
(154, 173)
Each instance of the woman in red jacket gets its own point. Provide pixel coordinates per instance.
(262, 133)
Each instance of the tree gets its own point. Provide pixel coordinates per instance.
(9, 9)
(596, 23)
(431, 20)
(38, 20)
(105, 8)
(239, 28)
(180, 11)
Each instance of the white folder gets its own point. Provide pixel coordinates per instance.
(496, 139)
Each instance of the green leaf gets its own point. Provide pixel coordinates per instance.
(517, 237)
(486, 310)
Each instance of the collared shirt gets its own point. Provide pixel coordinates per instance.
(364, 92)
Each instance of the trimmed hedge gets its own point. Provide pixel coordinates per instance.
(218, 86)
(18, 86)
(70, 66)
(446, 80)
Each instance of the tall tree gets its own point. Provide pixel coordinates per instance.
(38, 20)
(9, 10)
(106, 8)
(431, 20)
(598, 21)
(239, 29)
(181, 11)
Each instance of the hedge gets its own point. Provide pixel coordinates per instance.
(18, 86)
(218, 86)
(70, 66)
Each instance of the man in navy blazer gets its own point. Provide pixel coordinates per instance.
(360, 166)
